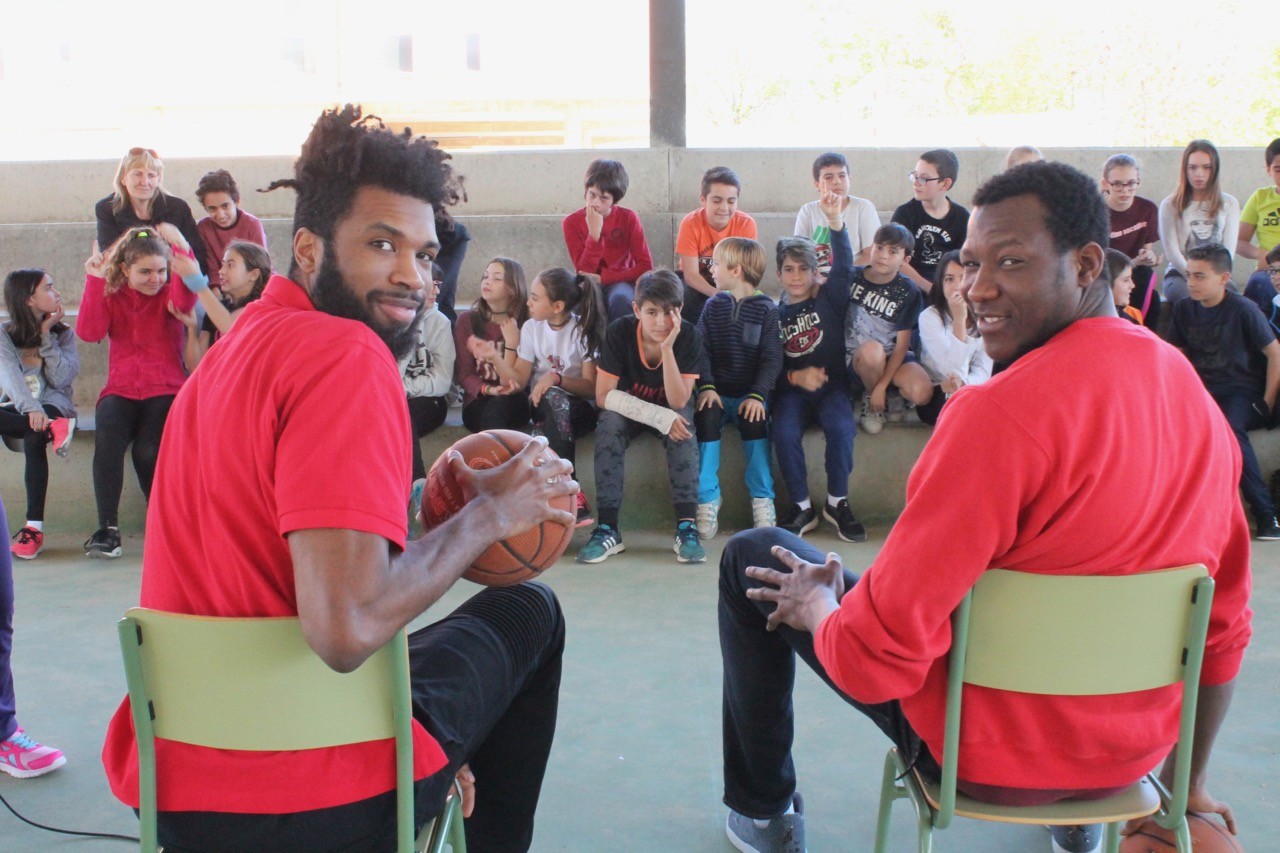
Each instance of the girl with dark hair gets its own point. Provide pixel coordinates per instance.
(559, 345)
(127, 292)
(486, 338)
(1197, 213)
(244, 271)
(38, 362)
(226, 222)
(139, 201)
(950, 347)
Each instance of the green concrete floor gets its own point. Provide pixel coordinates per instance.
(636, 765)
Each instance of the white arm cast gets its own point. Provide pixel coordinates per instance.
(659, 417)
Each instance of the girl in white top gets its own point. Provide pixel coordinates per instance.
(1196, 214)
(558, 349)
(950, 348)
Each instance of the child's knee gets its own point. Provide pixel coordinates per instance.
(709, 422)
(914, 383)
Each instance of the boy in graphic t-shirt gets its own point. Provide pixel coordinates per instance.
(718, 218)
(1229, 343)
(644, 382)
(883, 308)
(937, 223)
(1261, 218)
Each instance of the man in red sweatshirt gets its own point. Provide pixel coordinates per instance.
(1056, 475)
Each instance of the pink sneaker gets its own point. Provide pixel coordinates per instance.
(60, 432)
(29, 543)
(584, 511)
(22, 757)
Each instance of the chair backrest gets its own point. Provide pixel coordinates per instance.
(1075, 635)
(255, 684)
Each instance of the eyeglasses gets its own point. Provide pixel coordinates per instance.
(1125, 185)
(1273, 271)
(917, 178)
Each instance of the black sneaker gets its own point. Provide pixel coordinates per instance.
(103, 544)
(1268, 529)
(1077, 839)
(847, 525)
(799, 521)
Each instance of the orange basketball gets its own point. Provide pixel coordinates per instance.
(1208, 835)
(507, 561)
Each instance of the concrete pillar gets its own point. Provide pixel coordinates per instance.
(666, 74)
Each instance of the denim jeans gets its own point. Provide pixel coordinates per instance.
(794, 410)
(1241, 415)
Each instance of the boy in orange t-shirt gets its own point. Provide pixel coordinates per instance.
(702, 229)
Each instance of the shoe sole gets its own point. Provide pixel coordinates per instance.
(1267, 538)
(616, 549)
(65, 448)
(680, 559)
(25, 556)
(801, 531)
(29, 774)
(839, 532)
(583, 522)
(97, 554)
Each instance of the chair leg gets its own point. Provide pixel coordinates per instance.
(889, 791)
(1112, 838)
(1182, 832)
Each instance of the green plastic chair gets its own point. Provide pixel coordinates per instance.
(1067, 636)
(255, 684)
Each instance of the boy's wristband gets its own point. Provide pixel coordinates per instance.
(196, 282)
(754, 396)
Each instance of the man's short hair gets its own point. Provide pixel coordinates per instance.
(1214, 254)
(895, 234)
(1074, 212)
(218, 181)
(719, 175)
(1273, 150)
(945, 161)
(661, 287)
(831, 158)
(799, 249)
(1115, 262)
(346, 151)
(745, 253)
(608, 176)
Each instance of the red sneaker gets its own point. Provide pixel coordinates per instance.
(584, 511)
(22, 757)
(29, 543)
(60, 432)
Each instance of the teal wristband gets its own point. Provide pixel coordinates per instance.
(196, 282)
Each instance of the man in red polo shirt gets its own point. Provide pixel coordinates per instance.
(1043, 470)
(281, 489)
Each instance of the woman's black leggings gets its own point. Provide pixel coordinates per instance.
(425, 415)
(121, 422)
(502, 411)
(14, 424)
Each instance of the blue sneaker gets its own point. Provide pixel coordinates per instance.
(688, 545)
(783, 834)
(605, 541)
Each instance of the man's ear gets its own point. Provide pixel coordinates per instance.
(1089, 262)
(308, 253)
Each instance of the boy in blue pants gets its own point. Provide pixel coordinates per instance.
(742, 354)
(814, 382)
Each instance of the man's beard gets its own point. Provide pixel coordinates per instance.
(330, 294)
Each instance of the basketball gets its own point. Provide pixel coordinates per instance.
(1208, 835)
(507, 561)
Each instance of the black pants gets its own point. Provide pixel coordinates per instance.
(14, 424)
(564, 419)
(121, 422)
(502, 411)
(426, 414)
(928, 412)
(485, 681)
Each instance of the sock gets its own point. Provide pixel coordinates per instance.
(35, 525)
(764, 824)
(833, 501)
(804, 504)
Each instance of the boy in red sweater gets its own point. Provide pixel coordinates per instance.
(1045, 490)
(607, 240)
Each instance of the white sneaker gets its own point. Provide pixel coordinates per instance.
(762, 513)
(708, 519)
(872, 422)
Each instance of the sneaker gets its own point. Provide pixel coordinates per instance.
(872, 422)
(1268, 529)
(605, 541)
(103, 544)
(708, 519)
(784, 834)
(847, 525)
(688, 546)
(762, 513)
(415, 496)
(896, 409)
(1077, 839)
(22, 757)
(799, 521)
(454, 395)
(60, 432)
(29, 543)
(584, 511)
